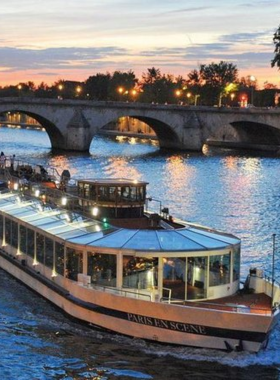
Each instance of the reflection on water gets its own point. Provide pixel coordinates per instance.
(232, 192)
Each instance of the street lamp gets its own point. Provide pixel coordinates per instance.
(133, 93)
(252, 80)
(195, 99)
(78, 90)
(19, 87)
(178, 94)
(60, 88)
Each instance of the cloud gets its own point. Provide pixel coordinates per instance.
(245, 37)
(187, 10)
(15, 59)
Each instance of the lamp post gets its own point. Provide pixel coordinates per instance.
(60, 88)
(195, 99)
(19, 87)
(273, 268)
(78, 90)
(178, 95)
(133, 94)
(150, 199)
(120, 91)
(252, 80)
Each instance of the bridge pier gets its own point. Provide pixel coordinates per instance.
(77, 134)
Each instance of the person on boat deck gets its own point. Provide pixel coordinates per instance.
(13, 162)
(2, 160)
(43, 172)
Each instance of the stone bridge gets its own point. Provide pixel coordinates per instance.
(72, 124)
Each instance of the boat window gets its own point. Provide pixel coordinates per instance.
(92, 192)
(133, 193)
(219, 272)
(174, 277)
(141, 192)
(14, 235)
(112, 193)
(8, 227)
(23, 239)
(236, 263)
(140, 273)
(59, 258)
(103, 193)
(83, 190)
(74, 263)
(30, 242)
(1, 227)
(125, 193)
(185, 279)
(49, 246)
(40, 248)
(197, 271)
(102, 268)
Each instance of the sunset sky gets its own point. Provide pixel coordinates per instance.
(73, 39)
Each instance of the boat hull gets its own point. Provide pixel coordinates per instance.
(154, 321)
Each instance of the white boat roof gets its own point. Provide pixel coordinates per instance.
(75, 228)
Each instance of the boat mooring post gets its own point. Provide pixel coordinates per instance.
(273, 264)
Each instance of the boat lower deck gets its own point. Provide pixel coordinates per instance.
(257, 303)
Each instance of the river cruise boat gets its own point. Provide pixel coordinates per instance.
(143, 274)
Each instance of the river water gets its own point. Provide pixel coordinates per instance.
(234, 192)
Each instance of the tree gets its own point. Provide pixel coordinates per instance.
(97, 86)
(151, 76)
(121, 85)
(158, 88)
(217, 76)
(269, 86)
(42, 90)
(194, 86)
(276, 41)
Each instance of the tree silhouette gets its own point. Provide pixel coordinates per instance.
(276, 41)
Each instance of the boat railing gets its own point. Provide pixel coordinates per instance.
(231, 307)
(270, 280)
(169, 293)
(51, 195)
(21, 168)
(122, 291)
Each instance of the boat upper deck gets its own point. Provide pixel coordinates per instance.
(76, 228)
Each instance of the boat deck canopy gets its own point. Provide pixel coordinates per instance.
(75, 228)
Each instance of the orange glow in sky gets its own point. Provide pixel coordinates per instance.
(67, 39)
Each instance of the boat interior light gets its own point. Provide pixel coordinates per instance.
(40, 207)
(68, 218)
(64, 201)
(15, 186)
(95, 211)
(54, 274)
(37, 193)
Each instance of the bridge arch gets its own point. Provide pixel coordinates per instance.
(167, 136)
(55, 136)
(256, 133)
